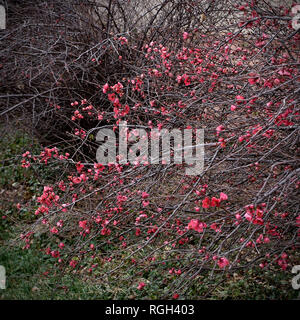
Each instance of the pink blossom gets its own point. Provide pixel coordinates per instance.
(223, 262)
(73, 263)
(145, 203)
(145, 195)
(206, 203)
(215, 227)
(185, 35)
(248, 216)
(196, 225)
(219, 129)
(76, 180)
(55, 254)
(54, 230)
(141, 285)
(105, 88)
(215, 202)
(83, 224)
(240, 98)
(223, 196)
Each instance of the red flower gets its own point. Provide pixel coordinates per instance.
(175, 296)
(215, 202)
(145, 195)
(141, 285)
(145, 203)
(223, 262)
(105, 88)
(54, 230)
(223, 196)
(73, 263)
(196, 225)
(239, 99)
(82, 224)
(206, 203)
(185, 35)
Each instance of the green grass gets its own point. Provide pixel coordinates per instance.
(26, 279)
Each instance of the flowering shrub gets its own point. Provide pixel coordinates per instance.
(237, 76)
